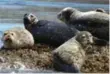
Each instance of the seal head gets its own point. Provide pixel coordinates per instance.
(65, 14)
(29, 20)
(9, 38)
(84, 38)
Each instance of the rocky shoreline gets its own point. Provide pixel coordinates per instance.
(39, 59)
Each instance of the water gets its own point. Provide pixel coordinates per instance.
(5, 26)
(12, 11)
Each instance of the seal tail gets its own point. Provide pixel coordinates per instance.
(100, 42)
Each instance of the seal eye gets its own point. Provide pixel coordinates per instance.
(31, 16)
(5, 34)
(83, 36)
(12, 34)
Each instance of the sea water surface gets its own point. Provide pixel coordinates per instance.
(12, 11)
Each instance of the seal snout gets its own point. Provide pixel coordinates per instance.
(59, 15)
(26, 16)
(90, 41)
(7, 37)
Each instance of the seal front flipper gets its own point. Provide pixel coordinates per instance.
(62, 66)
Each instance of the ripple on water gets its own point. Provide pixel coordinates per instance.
(6, 26)
(21, 3)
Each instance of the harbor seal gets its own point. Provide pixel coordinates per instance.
(100, 10)
(96, 22)
(49, 32)
(17, 38)
(70, 56)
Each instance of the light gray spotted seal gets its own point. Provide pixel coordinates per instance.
(17, 38)
(96, 22)
(69, 57)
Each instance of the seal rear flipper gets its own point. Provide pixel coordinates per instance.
(62, 66)
(100, 42)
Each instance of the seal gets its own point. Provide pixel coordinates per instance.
(69, 57)
(17, 38)
(48, 32)
(96, 22)
(100, 10)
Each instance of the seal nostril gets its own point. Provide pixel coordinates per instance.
(59, 15)
(8, 36)
(25, 18)
(25, 14)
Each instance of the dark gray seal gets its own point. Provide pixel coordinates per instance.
(96, 22)
(70, 56)
(48, 32)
